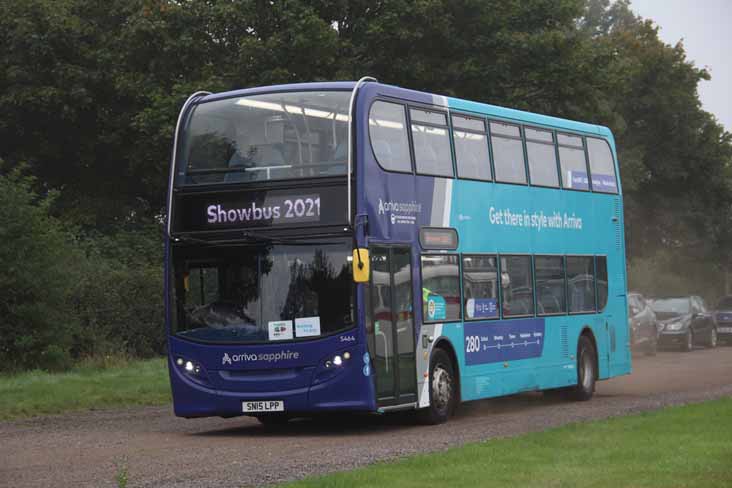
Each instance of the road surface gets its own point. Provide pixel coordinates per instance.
(158, 449)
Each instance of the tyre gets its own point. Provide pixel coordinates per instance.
(273, 420)
(442, 389)
(688, 345)
(586, 371)
(713, 339)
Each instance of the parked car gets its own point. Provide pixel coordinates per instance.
(686, 322)
(642, 324)
(723, 319)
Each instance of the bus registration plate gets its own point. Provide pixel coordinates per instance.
(264, 406)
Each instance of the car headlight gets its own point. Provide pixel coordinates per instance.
(675, 326)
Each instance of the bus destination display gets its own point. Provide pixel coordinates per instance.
(261, 209)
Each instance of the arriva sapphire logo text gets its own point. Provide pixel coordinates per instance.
(268, 357)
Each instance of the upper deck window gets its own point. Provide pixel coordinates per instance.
(602, 166)
(432, 154)
(542, 157)
(574, 166)
(471, 148)
(508, 153)
(266, 137)
(389, 140)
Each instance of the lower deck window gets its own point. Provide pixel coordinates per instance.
(581, 283)
(440, 287)
(517, 286)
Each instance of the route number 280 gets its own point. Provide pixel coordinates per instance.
(472, 344)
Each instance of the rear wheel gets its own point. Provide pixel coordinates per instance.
(586, 370)
(442, 389)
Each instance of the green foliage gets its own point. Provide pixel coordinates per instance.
(109, 381)
(90, 93)
(63, 298)
(38, 258)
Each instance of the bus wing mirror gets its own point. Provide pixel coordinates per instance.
(361, 265)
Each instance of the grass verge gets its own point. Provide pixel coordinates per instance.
(685, 446)
(121, 384)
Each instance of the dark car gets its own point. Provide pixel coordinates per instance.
(723, 319)
(642, 324)
(685, 322)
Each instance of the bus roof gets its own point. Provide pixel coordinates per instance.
(458, 104)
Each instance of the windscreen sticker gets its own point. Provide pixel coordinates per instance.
(307, 326)
(280, 330)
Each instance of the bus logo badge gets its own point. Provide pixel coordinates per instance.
(226, 359)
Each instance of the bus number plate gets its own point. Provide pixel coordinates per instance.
(264, 406)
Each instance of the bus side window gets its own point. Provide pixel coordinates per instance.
(517, 288)
(602, 166)
(508, 153)
(542, 157)
(440, 287)
(471, 148)
(550, 286)
(602, 285)
(388, 131)
(480, 288)
(432, 154)
(573, 163)
(581, 284)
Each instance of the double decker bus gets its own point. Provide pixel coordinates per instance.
(356, 246)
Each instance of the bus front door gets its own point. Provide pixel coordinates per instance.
(391, 332)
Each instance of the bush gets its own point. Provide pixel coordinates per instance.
(37, 257)
(64, 298)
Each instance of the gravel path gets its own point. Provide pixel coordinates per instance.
(158, 449)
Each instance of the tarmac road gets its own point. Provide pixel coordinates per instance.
(158, 449)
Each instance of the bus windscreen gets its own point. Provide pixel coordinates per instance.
(276, 136)
(264, 293)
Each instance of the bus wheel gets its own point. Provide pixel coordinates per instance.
(273, 420)
(586, 370)
(442, 389)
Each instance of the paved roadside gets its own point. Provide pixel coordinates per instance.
(158, 449)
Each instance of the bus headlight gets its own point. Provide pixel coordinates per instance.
(192, 369)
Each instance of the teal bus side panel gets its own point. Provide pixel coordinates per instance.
(515, 219)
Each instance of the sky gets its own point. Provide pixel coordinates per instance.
(706, 29)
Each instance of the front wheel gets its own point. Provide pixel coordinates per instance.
(586, 370)
(442, 389)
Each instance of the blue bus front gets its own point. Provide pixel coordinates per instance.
(262, 309)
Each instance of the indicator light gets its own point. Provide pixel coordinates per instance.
(179, 361)
(346, 355)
